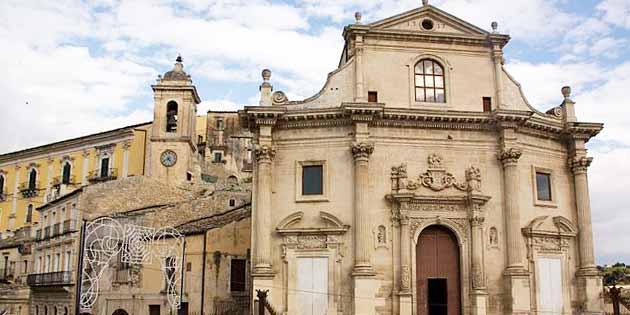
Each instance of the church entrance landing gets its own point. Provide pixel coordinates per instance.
(438, 279)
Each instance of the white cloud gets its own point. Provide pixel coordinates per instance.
(616, 12)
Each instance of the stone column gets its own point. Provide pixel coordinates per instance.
(516, 276)
(589, 279)
(583, 206)
(264, 158)
(509, 158)
(362, 235)
(405, 265)
(365, 284)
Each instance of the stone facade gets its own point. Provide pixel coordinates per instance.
(154, 175)
(397, 154)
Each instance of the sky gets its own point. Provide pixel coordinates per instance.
(70, 67)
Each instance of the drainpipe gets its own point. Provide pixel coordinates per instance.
(203, 271)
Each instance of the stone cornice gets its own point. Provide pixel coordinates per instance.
(376, 114)
(66, 146)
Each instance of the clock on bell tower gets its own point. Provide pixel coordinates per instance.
(172, 150)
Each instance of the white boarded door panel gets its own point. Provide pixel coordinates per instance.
(312, 286)
(320, 285)
(549, 286)
(304, 286)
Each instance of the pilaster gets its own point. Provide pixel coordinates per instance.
(516, 276)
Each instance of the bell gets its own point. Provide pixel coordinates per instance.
(172, 120)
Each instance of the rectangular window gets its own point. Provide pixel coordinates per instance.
(312, 180)
(237, 275)
(373, 97)
(218, 157)
(154, 309)
(543, 186)
(487, 104)
(188, 267)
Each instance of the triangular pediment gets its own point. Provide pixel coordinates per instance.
(442, 23)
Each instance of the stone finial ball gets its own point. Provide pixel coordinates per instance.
(566, 91)
(357, 16)
(494, 26)
(266, 74)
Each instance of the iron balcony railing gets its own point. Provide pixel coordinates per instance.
(56, 181)
(27, 190)
(49, 279)
(69, 226)
(6, 274)
(103, 176)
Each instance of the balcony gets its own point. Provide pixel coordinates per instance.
(69, 226)
(6, 275)
(28, 190)
(56, 181)
(56, 230)
(97, 176)
(58, 278)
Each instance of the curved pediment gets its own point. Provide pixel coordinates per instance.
(557, 225)
(329, 224)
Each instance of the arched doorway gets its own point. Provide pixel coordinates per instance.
(120, 312)
(437, 272)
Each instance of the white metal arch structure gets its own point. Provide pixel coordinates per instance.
(106, 238)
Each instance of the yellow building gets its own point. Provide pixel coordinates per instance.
(182, 170)
(35, 176)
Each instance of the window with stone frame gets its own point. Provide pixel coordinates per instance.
(543, 186)
(544, 190)
(313, 180)
(430, 84)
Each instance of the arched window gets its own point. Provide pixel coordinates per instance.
(171, 116)
(429, 82)
(32, 179)
(29, 213)
(65, 176)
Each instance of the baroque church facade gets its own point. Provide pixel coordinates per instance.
(419, 180)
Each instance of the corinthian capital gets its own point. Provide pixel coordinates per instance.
(362, 150)
(510, 156)
(264, 153)
(580, 164)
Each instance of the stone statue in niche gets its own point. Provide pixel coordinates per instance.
(493, 237)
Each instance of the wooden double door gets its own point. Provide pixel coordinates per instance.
(438, 280)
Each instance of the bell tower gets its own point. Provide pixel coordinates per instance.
(172, 147)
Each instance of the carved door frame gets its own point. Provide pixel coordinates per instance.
(460, 230)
